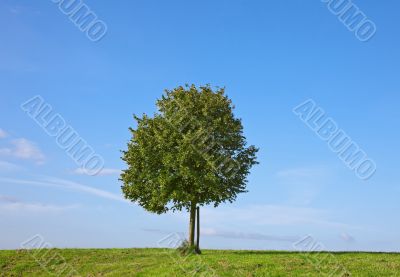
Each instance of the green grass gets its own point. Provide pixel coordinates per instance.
(161, 262)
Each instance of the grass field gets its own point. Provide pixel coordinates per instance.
(162, 262)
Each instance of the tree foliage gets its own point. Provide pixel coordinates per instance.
(192, 151)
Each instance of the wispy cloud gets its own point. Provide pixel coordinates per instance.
(15, 65)
(347, 237)
(7, 166)
(103, 172)
(244, 235)
(3, 134)
(26, 149)
(86, 189)
(23, 9)
(248, 222)
(69, 185)
(11, 204)
(303, 184)
(274, 215)
(211, 232)
(7, 199)
(294, 174)
(23, 149)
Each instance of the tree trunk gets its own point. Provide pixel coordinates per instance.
(192, 224)
(198, 231)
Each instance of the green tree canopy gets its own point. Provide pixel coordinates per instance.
(191, 152)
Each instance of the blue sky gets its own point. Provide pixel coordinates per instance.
(270, 56)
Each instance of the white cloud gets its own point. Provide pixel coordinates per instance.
(9, 199)
(5, 151)
(24, 149)
(87, 189)
(294, 174)
(103, 172)
(274, 215)
(65, 184)
(22, 9)
(211, 232)
(10, 204)
(347, 237)
(303, 184)
(7, 166)
(33, 207)
(3, 134)
(243, 235)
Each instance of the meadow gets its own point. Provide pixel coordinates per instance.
(164, 262)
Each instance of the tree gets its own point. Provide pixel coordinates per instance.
(191, 153)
